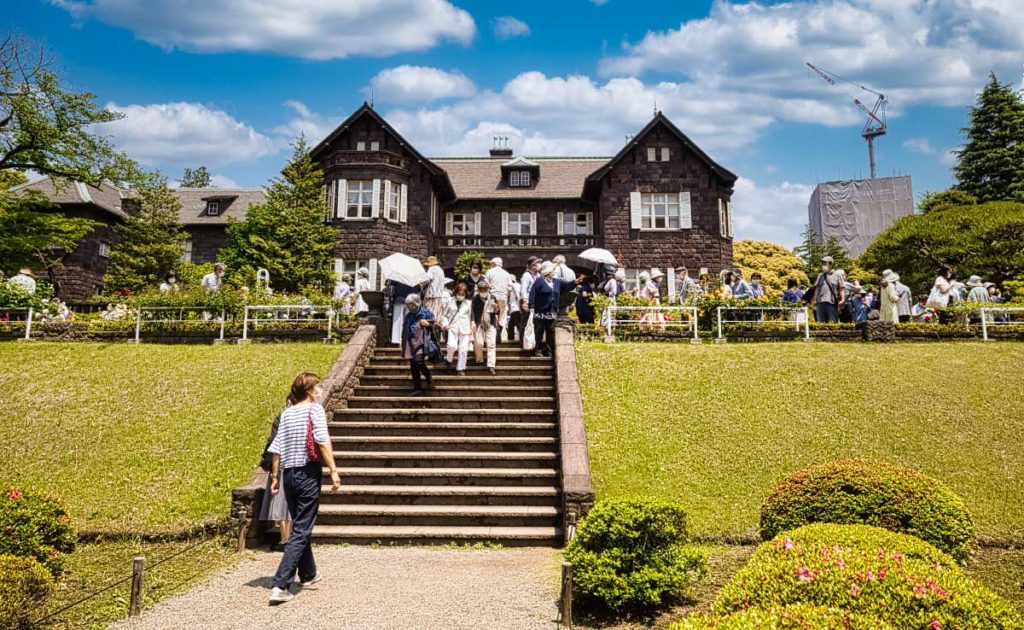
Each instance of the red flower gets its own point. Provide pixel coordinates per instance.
(14, 495)
(805, 574)
(920, 591)
(54, 553)
(936, 625)
(854, 589)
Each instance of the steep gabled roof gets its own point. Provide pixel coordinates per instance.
(105, 196)
(480, 178)
(660, 118)
(234, 203)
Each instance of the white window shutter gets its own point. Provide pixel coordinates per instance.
(328, 192)
(504, 223)
(387, 199)
(561, 223)
(447, 222)
(375, 204)
(478, 226)
(665, 154)
(339, 268)
(635, 220)
(685, 211)
(590, 223)
(403, 209)
(728, 215)
(671, 273)
(341, 198)
(372, 268)
(533, 223)
(652, 154)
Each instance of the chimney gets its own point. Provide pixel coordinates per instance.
(500, 147)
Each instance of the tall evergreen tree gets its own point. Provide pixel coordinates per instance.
(811, 251)
(991, 164)
(286, 235)
(199, 177)
(151, 239)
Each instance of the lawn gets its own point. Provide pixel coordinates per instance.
(147, 438)
(715, 427)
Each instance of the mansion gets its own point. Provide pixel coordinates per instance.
(660, 202)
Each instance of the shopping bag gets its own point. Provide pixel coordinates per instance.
(529, 340)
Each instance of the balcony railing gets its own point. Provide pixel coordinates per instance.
(576, 241)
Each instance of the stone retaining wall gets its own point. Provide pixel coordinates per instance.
(577, 487)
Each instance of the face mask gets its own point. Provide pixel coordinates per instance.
(171, 281)
(484, 294)
(824, 268)
(755, 282)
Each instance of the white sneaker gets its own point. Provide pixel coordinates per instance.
(313, 580)
(280, 596)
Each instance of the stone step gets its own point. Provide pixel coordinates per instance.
(438, 515)
(451, 402)
(448, 388)
(500, 369)
(502, 349)
(443, 377)
(455, 459)
(444, 429)
(445, 476)
(503, 359)
(442, 495)
(444, 443)
(444, 415)
(438, 534)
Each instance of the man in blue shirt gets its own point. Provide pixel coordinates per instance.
(544, 297)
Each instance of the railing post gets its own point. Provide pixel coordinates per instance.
(330, 317)
(565, 601)
(693, 320)
(719, 322)
(138, 573)
(807, 323)
(984, 325)
(223, 320)
(245, 324)
(28, 324)
(138, 323)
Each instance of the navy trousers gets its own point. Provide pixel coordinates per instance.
(302, 490)
(825, 312)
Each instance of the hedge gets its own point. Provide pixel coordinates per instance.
(24, 586)
(896, 578)
(887, 495)
(795, 617)
(36, 526)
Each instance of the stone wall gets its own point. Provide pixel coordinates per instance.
(577, 487)
(701, 246)
(207, 241)
(80, 276)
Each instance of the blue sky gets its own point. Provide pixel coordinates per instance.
(227, 83)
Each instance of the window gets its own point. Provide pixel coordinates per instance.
(360, 199)
(632, 280)
(463, 224)
(212, 208)
(520, 224)
(186, 254)
(725, 218)
(519, 178)
(360, 146)
(350, 267)
(433, 213)
(659, 211)
(104, 249)
(578, 224)
(393, 209)
(654, 152)
(375, 146)
(665, 154)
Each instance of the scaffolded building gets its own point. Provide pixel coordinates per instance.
(856, 211)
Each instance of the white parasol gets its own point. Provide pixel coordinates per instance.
(598, 255)
(403, 269)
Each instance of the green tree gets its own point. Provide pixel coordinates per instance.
(200, 177)
(932, 201)
(151, 240)
(991, 164)
(10, 178)
(36, 234)
(775, 263)
(983, 239)
(811, 251)
(286, 235)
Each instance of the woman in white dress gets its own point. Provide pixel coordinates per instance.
(362, 284)
(457, 321)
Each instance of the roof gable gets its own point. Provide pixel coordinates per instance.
(660, 119)
(105, 196)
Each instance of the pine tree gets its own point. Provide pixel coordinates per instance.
(151, 240)
(810, 251)
(991, 163)
(286, 235)
(198, 178)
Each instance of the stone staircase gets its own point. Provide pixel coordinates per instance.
(475, 459)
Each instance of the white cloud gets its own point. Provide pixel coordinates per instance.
(185, 134)
(776, 212)
(315, 126)
(922, 146)
(314, 29)
(420, 83)
(934, 52)
(507, 27)
(223, 181)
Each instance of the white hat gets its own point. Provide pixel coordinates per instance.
(656, 273)
(645, 276)
(620, 274)
(496, 262)
(547, 268)
(975, 281)
(363, 271)
(891, 278)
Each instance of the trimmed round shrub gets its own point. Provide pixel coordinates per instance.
(864, 492)
(36, 526)
(632, 554)
(24, 586)
(896, 578)
(795, 617)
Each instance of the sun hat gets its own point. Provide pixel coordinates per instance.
(547, 268)
(496, 262)
(975, 281)
(431, 261)
(25, 271)
(891, 278)
(656, 273)
(363, 271)
(828, 259)
(620, 274)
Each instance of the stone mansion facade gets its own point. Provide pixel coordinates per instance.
(660, 202)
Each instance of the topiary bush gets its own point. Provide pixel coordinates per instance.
(24, 586)
(795, 617)
(878, 493)
(36, 526)
(896, 578)
(632, 554)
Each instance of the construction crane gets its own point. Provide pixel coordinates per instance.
(875, 125)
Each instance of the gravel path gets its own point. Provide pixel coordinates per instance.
(378, 589)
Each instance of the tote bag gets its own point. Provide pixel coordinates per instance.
(529, 339)
(937, 299)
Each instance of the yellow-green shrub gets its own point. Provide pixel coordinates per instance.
(36, 526)
(24, 586)
(795, 617)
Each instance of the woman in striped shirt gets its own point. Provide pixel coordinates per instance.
(302, 477)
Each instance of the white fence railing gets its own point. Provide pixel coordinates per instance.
(998, 316)
(29, 314)
(799, 317)
(653, 317)
(278, 313)
(147, 315)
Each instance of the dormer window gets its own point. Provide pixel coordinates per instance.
(654, 153)
(212, 208)
(519, 178)
(368, 146)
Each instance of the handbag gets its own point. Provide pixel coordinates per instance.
(529, 338)
(312, 450)
(431, 346)
(267, 460)
(937, 299)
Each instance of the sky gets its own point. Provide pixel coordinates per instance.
(230, 83)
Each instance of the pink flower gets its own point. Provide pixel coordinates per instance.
(920, 591)
(870, 576)
(936, 625)
(787, 543)
(14, 495)
(897, 556)
(54, 553)
(805, 574)
(882, 573)
(854, 589)
(837, 549)
(881, 554)
(841, 565)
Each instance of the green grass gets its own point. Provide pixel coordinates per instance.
(146, 438)
(715, 427)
